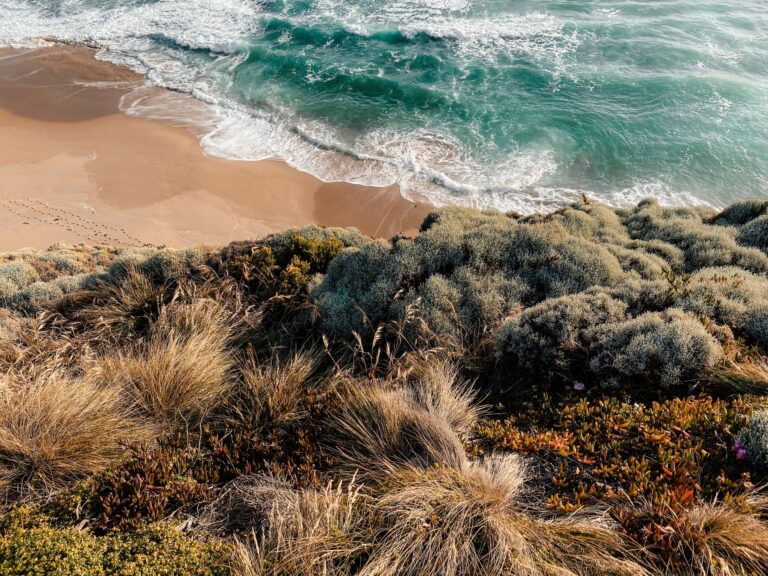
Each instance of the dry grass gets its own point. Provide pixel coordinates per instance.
(274, 393)
(440, 389)
(720, 539)
(55, 431)
(299, 533)
(182, 372)
(121, 304)
(37, 353)
(381, 428)
(384, 425)
(419, 522)
(749, 376)
(466, 522)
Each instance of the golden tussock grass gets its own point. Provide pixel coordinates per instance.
(746, 377)
(119, 304)
(419, 521)
(724, 539)
(275, 392)
(302, 532)
(461, 522)
(384, 425)
(182, 371)
(56, 430)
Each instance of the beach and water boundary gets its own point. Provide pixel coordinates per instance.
(74, 168)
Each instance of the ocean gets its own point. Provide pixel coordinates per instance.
(509, 104)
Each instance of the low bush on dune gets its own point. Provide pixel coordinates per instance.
(554, 290)
(575, 393)
(754, 441)
(30, 545)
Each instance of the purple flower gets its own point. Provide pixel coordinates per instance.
(579, 387)
(741, 454)
(738, 445)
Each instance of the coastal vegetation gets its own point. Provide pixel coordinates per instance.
(583, 392)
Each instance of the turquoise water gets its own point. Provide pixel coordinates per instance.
(512, 104)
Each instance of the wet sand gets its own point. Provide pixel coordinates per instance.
(74, 168)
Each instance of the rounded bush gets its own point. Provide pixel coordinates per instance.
(69, 284)
(17, 274)
(754, 440)
(554, 263)
(730, 296)
(357, 289)
(553, 337)
(755, 234)
(38, 294)
(740, 213)
(703, 245)
(669, 348)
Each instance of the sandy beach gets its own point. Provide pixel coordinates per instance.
(74, 168)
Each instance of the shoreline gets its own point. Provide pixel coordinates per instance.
(74, 168)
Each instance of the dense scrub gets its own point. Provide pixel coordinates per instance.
(574, 393)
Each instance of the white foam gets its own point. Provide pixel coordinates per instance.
(426, 164)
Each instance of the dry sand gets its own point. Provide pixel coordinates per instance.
(73, 168)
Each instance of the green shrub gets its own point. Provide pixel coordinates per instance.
(742, 212)
(357, 288)
(553, 338)
(14, 276)
(703, 245)
(471, 251)
(754, 442)
(48, 551)
(70, 284)
(668, 348)
(554, 263)
(34, 296)
(314, 244)
(729, 296)
(755, 233)
(642, 296)
(673, 256)
(593, 221)
(468, 304)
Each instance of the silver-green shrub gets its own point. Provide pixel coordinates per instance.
(755, 234)
(69, 284)
(467, 303)
(358, 289)
(742, 212)
(669, 348)
(754, 440)
(555, 263)
(31, 298)
(703, 245)
(14, 276)
(730, 296)
(555, 336)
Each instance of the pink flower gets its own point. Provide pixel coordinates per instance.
(741, 454)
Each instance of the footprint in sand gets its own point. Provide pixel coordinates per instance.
(40, 212)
